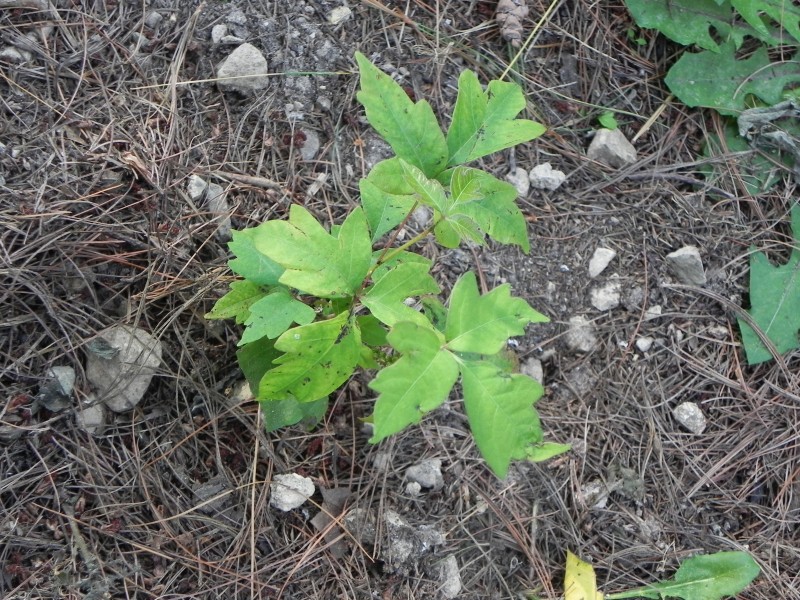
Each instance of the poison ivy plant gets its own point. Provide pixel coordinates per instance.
(774, 302)
(318, 303)
(708, 577)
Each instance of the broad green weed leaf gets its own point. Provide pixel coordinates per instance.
(316, 262)
(484, 121)
(774, 301)
(428, 191)
(493, 208)
(687, 21)
(373, 333)
(386, 197)
(500, 411)
(411, 129)
(274, 314)
(386, 298)
(709, 577)
(721, 81)
(282, 413)
(395, 260)
(580, 582)
(249, 262)
(416, 384)
(483, 324)
(450, 231)
(465, 185)
(783, 12)
(318, 359)
(237, 302)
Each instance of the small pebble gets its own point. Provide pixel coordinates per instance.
(690, 416)
(519, 179)
(644, 343)
(600, 260)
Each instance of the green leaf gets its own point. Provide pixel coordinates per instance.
(720, 81)
(775, 301)
(237, 302)
(386, 197)
(396, 260)
(274, 314)
(546, 451)
(493, 208)
(316, 262)
(786, 14)
(709, 577)
(465, 185)
(428, 191)
(483, 324)
(282, 413)
(373, 333)
(411, 129)
(687, 21)
(500, 411)
(608, 120)
(386, 298)
(255, 359)
(249, 262)
(318, 359)
(418, 382)
(483, 121)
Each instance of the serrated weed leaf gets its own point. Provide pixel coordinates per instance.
(411, 129)
(273, 314)
(399, 258)
(419, 381)
(500, 410)
(723, 82)
(315, 261)
(775, 301)
(237, 302)
(255, 359)
(428, 191)
(317, 359)
(484, 121)
(386, 297)
(691, 22)
(249, 262)
(489, 203)
(708, 577)
(483, 324)
(386, 197)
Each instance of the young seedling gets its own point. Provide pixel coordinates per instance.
(708, 577)
(317, 304)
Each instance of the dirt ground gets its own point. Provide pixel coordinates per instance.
(113, 107)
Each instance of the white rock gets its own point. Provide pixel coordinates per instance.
(153, 19)
(611, 147)
(339, 15)
(91, 415)
(65, 377)
(196, 187)
(289, 491)
(218, 31)
(310, 145)
(217, 204)
(652, 312)
(687, 265)
(533, 369)
(606, 297)
(544, 177)
(237, 17)
(122, 380)
(10, 54)
(593, 495)
(244, 70)
(644, 343)
(427, 473)
(600, 260)
(580, 336)
(519, 179)
(690, 416)
(449, 578)
(382, 461)
(413, 489)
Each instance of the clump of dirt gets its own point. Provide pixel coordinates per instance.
(109, 109)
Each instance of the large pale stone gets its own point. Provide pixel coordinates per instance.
(245, 70)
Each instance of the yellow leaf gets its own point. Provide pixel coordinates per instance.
(579, 582)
